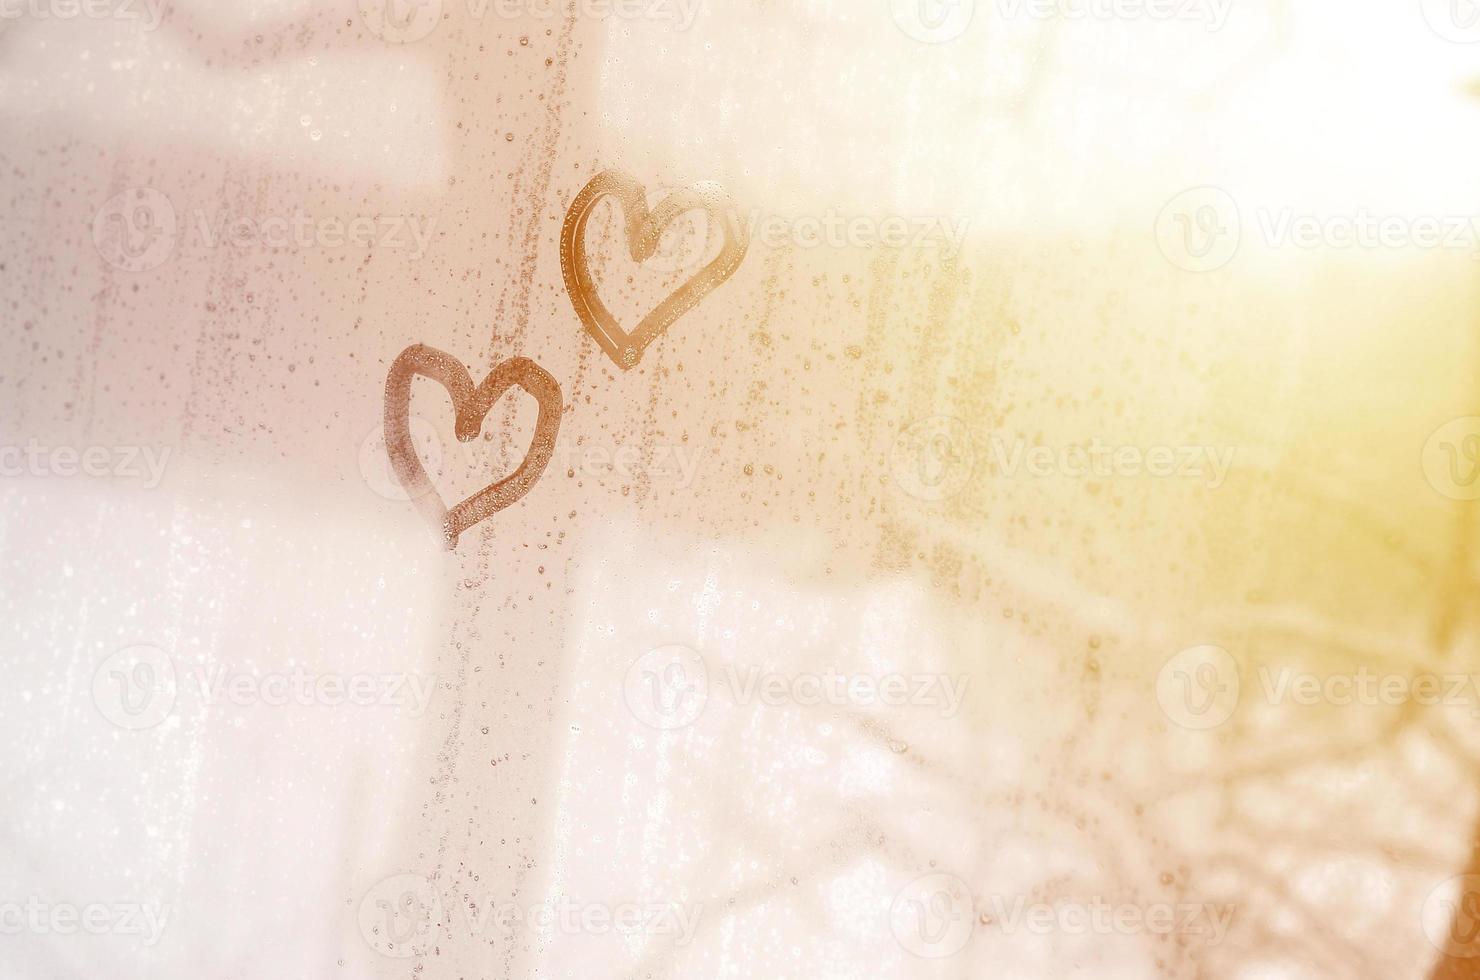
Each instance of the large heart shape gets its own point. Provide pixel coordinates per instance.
(471, 405)
(644, 229)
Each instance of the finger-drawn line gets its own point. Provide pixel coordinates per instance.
(644, 229)
(471, 405)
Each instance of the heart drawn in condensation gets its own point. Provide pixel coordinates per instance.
(644, 230)
(471, 406)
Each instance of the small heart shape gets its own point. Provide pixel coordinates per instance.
(644, 230)
(471, 406)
